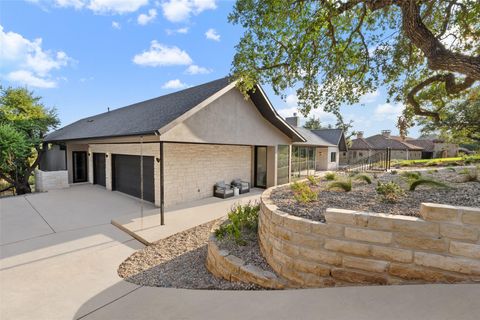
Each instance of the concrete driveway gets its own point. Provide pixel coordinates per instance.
(58, 249)
(59, 257)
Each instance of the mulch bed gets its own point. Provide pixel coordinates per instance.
(179, 262)
(364, 197)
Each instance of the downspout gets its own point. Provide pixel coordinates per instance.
(162, 190)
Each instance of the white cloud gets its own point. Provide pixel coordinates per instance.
(174, 84)
(144, 19)
(212, 34)
(369, 97)
(181, 10)
(116, 25)
(28, 78)
(194, 69)
(388, 111)
(291, 102)
(116, 6)
(77, 4)
(26, 62)
(160, 55)
(183, 30)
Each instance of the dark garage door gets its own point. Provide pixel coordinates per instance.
(99, 168)
(126, 176)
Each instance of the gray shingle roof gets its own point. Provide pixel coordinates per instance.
(380, 142)
(331, 135)
(139, 118)
(360, 144)
(312, 138)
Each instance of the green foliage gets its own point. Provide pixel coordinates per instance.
(303, 193)
(411, 175)
(389, 191)
(242, 220)
(23, 123)
(313, 181)
(393, 172)
(424, 181)
(432, 171)
(312, 123)
(335, 52)
(455, 161)
(363, 177)
(470, 175)
(451, 169)
(342, 185)
(330, 176)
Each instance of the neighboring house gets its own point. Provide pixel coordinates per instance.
(364, 147)
(187, 141)
(433, 147)
(319, 152)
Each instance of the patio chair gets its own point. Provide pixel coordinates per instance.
(222, 190)
(243, 186)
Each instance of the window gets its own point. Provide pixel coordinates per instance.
(333, 157)
(360, 154)
(282, 164)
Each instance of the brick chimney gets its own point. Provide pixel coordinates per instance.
(359, 134)
(386, 133)
(293, 121)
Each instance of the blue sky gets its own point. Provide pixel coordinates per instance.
(83, 56)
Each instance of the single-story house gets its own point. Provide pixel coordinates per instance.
(432, 147)
(319, 152)
(179, 144)
(361, 148)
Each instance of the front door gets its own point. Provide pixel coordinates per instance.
(99, 169)
(79, 166)
(260, 173)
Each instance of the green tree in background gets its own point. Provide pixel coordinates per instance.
(24, 121)
(312, 123)
(336, 51)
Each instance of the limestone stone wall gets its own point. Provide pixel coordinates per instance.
(50, 180)
(224, 265)
(372, 248)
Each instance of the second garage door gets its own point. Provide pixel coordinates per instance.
(126, 176)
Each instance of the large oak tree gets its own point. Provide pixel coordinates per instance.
(336, 51)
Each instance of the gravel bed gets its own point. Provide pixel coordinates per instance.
(250, 252)
(177, 262)
(364, 197)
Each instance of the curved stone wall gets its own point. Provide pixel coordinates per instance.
(372, 248)
(224, 265)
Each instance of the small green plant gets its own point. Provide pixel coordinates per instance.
(313, 181)
(451, 169)
(303, 193)
(389, 191)
(242, 220)
(363, 177)
(393, 172)
(423, 181)
(431, 163)
(470, 175)
(343, 185)
(464, 171)
(411, 175)
(298, 186)
(330, 176)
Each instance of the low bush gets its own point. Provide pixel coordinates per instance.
(363, 177)
(313, 181)
(303, 193)
(242, 221)
(470, 175)
(330, 176)
(343, 185)
(389, 191)
(423, 181)
(411, 175)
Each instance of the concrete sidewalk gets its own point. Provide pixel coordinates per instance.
(147, 229)
(414, 302)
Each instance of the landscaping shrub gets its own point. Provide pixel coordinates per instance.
(451, 169)
(423, 181)
(411, 175)
(432, 171)
(363, 177)
(393, 172)
(303, 193)
(343, 185)
(431, 163)
(470, 175)
(389, 191)
(242, 220)
(313, 181)
(330, 176)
